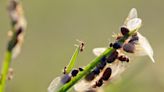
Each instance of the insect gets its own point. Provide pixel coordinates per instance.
(74, 72)
(58, 82)
(61, 80)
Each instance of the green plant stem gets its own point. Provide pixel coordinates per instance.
(4, 70)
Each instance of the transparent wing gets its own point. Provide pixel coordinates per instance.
(55, 85)
(82, 86)
(144, 47)
(132, 14)
(134, 24)
(87, 86)
(117, 68)
(98, 51)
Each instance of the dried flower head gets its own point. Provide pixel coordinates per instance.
(18, 27)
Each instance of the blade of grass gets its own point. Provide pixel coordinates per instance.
(73, 60)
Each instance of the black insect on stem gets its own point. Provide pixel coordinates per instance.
(107, 73)
(74, 72)
(124, 30)
(90, 76)
(99, 83)
(81, 69)
(123, 58)
(134, 38)
(81, 45)
(111, 58)
(117, 45)
(65, 79)
(101, 65)
(130, 45)
(96, 71)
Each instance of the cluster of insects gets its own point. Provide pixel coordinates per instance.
(114, 64)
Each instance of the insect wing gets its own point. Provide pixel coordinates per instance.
(98, 51)
(134, 24)
(144, 48)
(117, 68)
(132, 14)
(82, 86)
(55, 85)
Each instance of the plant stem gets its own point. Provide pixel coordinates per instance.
(4, 70)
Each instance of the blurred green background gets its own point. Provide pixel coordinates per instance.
(53, 26)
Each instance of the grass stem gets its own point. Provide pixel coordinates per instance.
(4, 70)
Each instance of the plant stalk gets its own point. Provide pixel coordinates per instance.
(4, 70)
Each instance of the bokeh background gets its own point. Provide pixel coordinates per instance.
(54, 26)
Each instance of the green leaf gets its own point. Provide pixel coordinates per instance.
(73, 60)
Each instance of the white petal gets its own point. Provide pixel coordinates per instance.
(98, 51)
(134, 24)
(143, 42)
